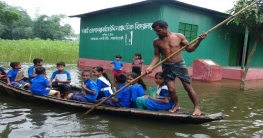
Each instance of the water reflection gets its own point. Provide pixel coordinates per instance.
(243, 111)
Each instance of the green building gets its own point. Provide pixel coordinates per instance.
(126, 30)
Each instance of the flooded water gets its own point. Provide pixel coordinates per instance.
(243, 115)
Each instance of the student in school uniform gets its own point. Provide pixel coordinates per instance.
(89, 89)
(40, 85)
(12, 76)
(136, 89)
(121, 99)
(162, 101)
(117, 65)
(31, 70)
(3, 72)
(62, 78)
(103, 82)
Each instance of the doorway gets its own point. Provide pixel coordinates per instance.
(236, 49)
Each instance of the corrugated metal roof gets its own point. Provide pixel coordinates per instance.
(149, 2)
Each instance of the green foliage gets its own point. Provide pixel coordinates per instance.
(21, 29)
(15, 23)
(8, 14)
(46, 27)
(251, 18)
(50, 51)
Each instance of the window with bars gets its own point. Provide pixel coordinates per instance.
(189, 31)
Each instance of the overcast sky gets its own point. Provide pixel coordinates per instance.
(73, 7)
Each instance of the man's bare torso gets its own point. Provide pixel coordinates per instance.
(169, 45)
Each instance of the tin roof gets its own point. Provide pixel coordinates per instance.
(150, 2)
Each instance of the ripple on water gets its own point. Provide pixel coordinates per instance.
(242, 109)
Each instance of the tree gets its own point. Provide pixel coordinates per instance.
(252, 18)
(46, 27)
(8, 15)
(15, 23)
(21, 29)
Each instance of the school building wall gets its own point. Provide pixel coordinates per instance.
(129, 31)
(119, 32)
(257, 59)
(217, 45)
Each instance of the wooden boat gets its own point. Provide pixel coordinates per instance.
(181, 116)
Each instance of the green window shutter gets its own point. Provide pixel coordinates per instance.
(181, 31)
(194, 28)
(187, 34)
(189, 31)
(181, 26)
(188, 27)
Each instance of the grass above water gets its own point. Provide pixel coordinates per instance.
(49, 51)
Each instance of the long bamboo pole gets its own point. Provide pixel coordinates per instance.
(158, 64)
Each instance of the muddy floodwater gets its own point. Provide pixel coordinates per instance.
(243, 114)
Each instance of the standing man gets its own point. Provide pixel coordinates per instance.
(167, 43)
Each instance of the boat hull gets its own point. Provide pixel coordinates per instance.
(181, 116)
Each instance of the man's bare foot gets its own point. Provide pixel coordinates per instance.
(174, 108)
(197, 112)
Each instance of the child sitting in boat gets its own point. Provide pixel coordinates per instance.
(3, 72)
(103, 82)
(90, 89)
(136, 89)
(162, 100)
(31, 70)
(62, 79)
(40, 84)
(121, 99)
(15, 76)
